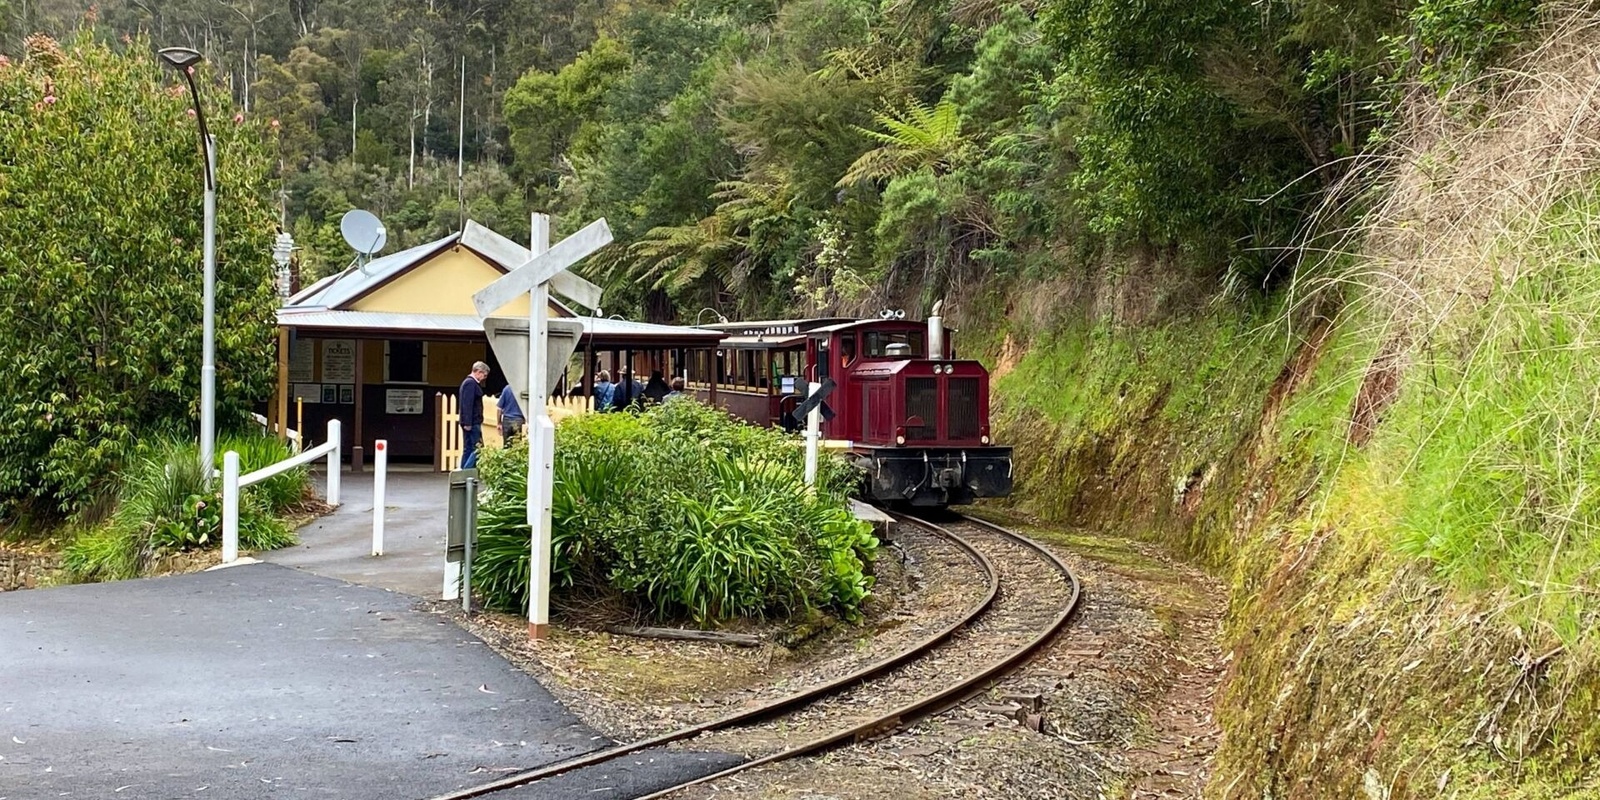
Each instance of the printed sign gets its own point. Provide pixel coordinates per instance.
(338, 361)
(347, 394)
(330, 393)
(307, 392)
(302, 363)
(402, 401)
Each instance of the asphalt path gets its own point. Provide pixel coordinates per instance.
(258, 681)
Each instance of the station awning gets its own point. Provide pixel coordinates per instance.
(603, 332)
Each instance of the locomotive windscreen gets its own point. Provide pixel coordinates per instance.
(962, 406)
(922, 400)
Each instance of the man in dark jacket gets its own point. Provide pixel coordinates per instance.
(470, 404)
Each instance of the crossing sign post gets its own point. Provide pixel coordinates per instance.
(546, 267)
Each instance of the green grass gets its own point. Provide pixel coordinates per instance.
(164, 504)
(1099, 414)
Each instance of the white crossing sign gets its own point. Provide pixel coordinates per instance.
(544, 359)
(509, 338)
(541, 268)
(504, 251)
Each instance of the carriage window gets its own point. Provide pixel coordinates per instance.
(847, 349)
(878, 342)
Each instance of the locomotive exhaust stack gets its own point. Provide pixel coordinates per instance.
(936, 347)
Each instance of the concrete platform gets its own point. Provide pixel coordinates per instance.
(258, 681)
(340, 544)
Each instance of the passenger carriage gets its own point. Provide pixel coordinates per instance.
(905, 409)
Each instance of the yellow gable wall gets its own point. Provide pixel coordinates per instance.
(442, 285)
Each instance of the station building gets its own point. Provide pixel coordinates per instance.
(381, 346)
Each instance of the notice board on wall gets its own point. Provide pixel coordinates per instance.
(302, 362)
(338, 361)
(402, 401)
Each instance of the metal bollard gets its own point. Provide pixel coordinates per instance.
(230, 507)
(333, 462)
(380, 475)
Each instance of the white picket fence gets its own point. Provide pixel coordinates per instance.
(232, 482)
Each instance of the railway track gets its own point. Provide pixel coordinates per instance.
(1030, 597)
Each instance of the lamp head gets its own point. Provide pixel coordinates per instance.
(180, 58)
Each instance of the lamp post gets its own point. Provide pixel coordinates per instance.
(184, 60)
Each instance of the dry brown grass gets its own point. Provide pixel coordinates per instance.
(1474, 169)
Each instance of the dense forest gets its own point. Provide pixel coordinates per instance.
(826, 154)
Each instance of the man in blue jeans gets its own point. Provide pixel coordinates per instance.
(470, 404)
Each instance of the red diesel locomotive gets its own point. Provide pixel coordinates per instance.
(908, 412)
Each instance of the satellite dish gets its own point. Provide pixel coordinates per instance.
(363, 232)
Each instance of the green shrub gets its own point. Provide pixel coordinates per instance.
(165, 505)
(280, 492)
(102, 325)
(684, 511)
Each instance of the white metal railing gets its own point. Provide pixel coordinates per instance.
(269, 429)
(232, 482)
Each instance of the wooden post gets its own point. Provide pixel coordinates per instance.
(541, 444)
(588, 365)
(283, 384)
(361, 363)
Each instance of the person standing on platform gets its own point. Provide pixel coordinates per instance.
(511, 419)
(677, 392)
(604, 391)
(470, 405)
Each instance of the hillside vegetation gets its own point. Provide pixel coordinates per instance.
(1394, 458)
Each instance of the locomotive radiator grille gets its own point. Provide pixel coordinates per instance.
(961, 404)
(922, 400)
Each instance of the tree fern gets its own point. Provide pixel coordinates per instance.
(918, 138)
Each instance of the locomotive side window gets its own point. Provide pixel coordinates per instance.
(877, 342)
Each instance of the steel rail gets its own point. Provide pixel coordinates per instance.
(758, 713)
(928, 704)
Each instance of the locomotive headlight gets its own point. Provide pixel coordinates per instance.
(899, 440)
(984, 439)
(900, 435)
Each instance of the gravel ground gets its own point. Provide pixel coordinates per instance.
(1033, 592)
(1125, 694)
(632, 688)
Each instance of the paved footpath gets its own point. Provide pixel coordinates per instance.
(340, 544)
(263, 680)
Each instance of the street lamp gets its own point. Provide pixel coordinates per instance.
(720, 318)
(184, 60)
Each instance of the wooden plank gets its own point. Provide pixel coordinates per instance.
(715, 637)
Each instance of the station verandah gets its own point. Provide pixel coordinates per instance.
(379, 346)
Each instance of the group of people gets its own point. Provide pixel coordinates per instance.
(627, 391)
(608, 396)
